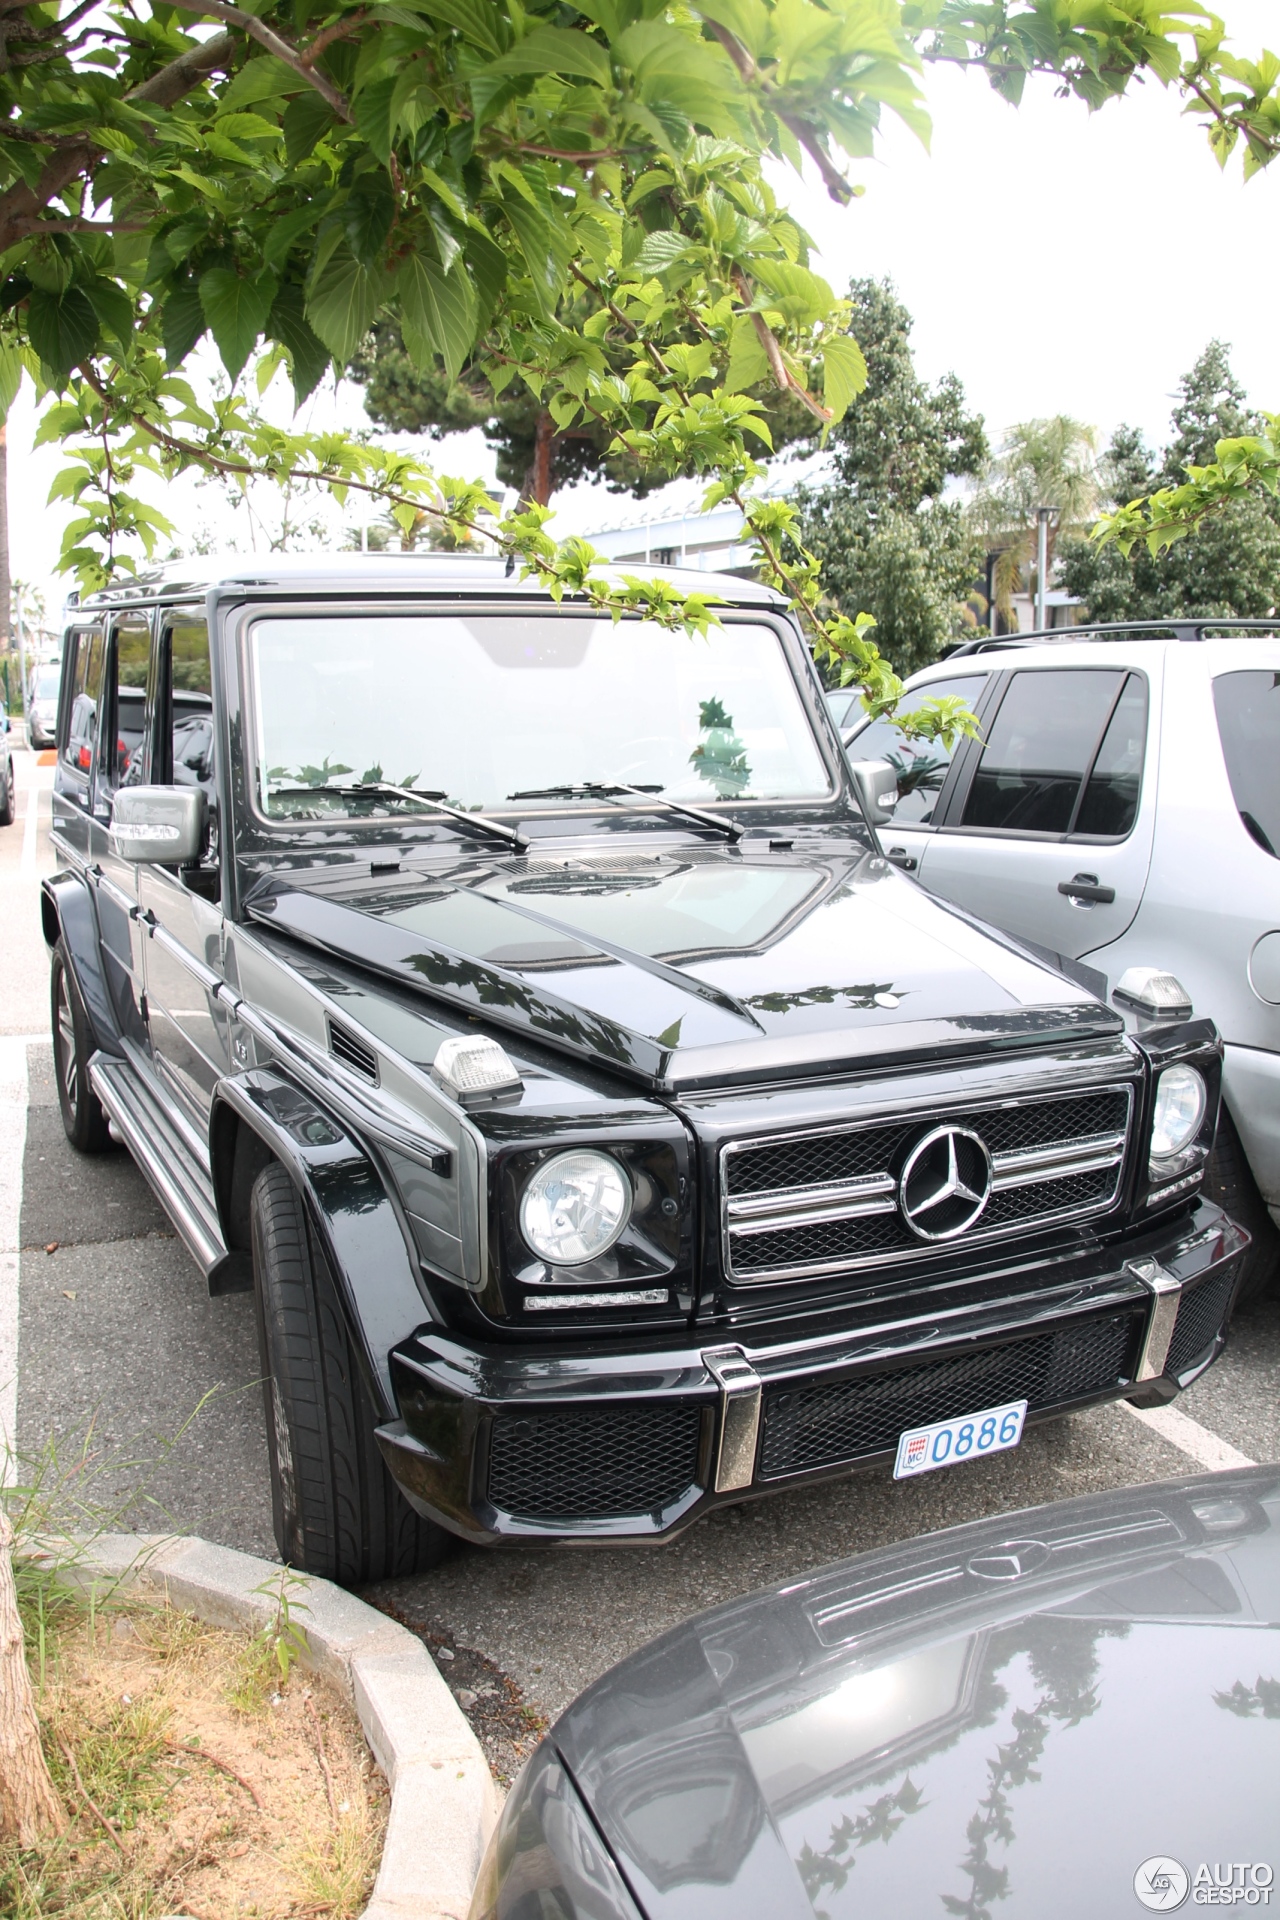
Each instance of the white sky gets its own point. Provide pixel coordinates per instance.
(1056, 261)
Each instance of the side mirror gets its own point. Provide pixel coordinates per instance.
(877, 786)
(161, 824)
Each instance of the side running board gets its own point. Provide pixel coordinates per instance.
(180, 1184)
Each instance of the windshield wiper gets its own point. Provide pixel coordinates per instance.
(652, 796)
(431, 801)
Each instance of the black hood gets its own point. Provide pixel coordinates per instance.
(1004, 1720)
(694, 968)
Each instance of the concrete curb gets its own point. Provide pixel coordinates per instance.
(443, 1800)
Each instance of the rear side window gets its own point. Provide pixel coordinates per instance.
(922, 765)
(190, 678)
(1110, 803)
(86, 695)
(1248, 709)
(1052, 759)
(132, 664)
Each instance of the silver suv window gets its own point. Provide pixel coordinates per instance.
(1248, 709)
(1064, 755)
(922, 764)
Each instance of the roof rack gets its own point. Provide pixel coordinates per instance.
(1180, 628)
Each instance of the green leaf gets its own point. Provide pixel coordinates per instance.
(11, 371)
(557, 50)
(343, 299)
(488, 267)
(538, 245)
(661, 249)
(263, 78)
(114, 309)
(438, 308)
(308, 355)
(236, 309)
(372, 109)
(283, 233)
(844, 374)
(306, 120)
(63, 327)
(748, 361)
(182, 322)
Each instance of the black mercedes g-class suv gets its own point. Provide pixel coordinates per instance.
(522, 1007)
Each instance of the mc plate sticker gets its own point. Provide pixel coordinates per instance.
(971, 1437)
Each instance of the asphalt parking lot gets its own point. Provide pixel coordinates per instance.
(107, 1330)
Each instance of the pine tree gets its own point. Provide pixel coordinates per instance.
(1230, 565)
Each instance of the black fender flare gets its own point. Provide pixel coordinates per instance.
(68, 914)
(259, 1114)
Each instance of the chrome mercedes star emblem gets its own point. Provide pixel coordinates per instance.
(945, 1184)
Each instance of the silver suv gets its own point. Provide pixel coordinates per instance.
(1122, 809)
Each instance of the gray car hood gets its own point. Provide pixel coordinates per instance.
(694, 968)
(1006, 1719)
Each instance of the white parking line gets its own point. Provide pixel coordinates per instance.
(1181, 1431)
(13, 1139)
(29, 827)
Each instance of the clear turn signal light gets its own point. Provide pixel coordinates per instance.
(474, 1069)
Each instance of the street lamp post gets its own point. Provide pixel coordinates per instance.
(1043, 516)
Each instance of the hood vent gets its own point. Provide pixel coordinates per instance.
(353, 1053)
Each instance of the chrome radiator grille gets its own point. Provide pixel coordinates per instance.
(837, 1198)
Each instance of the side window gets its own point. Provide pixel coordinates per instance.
(1039, 748)
(86, 694)
(190, 681)
(922, 765)
(1110, 802)
(1247, 704)
(124, 756)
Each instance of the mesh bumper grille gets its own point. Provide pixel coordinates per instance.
(593, 1463)
(828, 1423)
(1200, 1316)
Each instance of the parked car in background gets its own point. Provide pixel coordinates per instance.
(42, 706)
(619, 1135)
(8, 776)
(1065, 1711)
(1122, 809)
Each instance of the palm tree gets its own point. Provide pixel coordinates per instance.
(1041, 463)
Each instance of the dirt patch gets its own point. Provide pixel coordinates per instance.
(507, 1728)
(197, 1779)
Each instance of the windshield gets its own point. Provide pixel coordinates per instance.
(46, 687)
(476, 708)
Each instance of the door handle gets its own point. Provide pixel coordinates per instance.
(901, 858)
(1085, 887)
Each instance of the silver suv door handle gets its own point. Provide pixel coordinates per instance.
(1085, 887)
(901, 858)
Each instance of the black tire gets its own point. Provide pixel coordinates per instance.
(1230, 1182)
(8, 796)
(337, 1512)
(82, 1116)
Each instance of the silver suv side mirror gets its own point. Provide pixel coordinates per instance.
(161, 824)
(877, 785)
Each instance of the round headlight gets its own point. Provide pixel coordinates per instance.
(574, 1207)
(1180, 1103)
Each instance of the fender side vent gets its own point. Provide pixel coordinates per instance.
(353, 1053)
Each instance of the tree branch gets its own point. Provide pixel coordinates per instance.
(325, 39)
(20, 203)
(267, 37)
(750, 75)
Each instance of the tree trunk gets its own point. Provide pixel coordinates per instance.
(29, 1806)
(539, 480)
(6, 584)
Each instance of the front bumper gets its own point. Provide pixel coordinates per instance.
(508, 1447)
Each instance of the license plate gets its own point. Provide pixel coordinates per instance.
(948, 1442)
